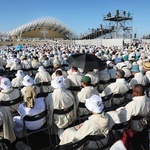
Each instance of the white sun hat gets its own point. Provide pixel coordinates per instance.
(27, 81)
(41, 68)
(20, 73)
(58, 82)
(94, 104)
(5, 83)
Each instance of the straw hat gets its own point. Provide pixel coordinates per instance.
(94, 104)
(146, 66)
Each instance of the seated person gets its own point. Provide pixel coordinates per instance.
(17, 81)
(43, 76)
(59, 73)
(6, 122)
(140, 105)
(97, 123)
(118, 87)
(86, 92)
(60, 99)
(75, 80)
(119, 145)
(139, 78)
(9, 93)
(30, 106)
(28, 82)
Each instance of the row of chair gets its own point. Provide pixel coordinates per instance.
(111, 137)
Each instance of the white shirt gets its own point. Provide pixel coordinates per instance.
(39, 106)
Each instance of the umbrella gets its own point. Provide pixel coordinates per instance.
(85, 61)
(18, 47)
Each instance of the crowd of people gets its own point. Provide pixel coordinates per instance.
(72, 92)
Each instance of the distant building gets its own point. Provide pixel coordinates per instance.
(42, 28)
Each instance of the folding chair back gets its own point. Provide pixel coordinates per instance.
(120, 126)
(35, 118)
(71, 145)
(11, 102)
(42, 94)
(107, 100)
(64, 111)
(98, 138)
(117, 129)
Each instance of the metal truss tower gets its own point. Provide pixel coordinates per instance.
(121, 23)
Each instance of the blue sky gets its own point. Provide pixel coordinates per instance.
(79, 15)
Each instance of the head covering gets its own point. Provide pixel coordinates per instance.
(108, 62)
(146, 66)
(16, 60)
(94, 104)
(5, 83)
(86, 79)
(27, 81)
(118, 60)
(58, 82)
(125, 58)
(30, 96)
(122, 64)
(135, 68)
(20, 73)
(56, 65)
(41, 68)
(140, 62)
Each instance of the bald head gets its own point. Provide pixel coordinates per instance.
(138, 90)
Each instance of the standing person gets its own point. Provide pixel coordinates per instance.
(30, 106)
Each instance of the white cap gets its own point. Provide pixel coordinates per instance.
(94, 104)
(58, 82)
(41, 68)
(20, 73)
(27, 81)
(5, 83)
